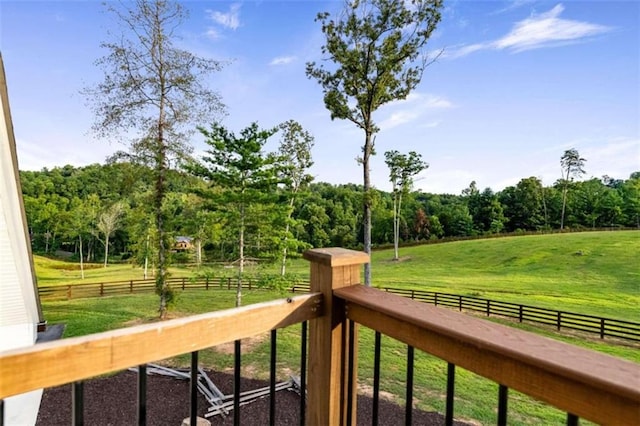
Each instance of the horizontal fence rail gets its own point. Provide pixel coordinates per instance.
(604, 327)
(583, 383)
(112, 288)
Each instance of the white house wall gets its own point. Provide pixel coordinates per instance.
(19, 309)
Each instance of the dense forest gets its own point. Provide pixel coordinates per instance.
(105, 211)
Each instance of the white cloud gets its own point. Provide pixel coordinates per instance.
(515, 4)
(230, 19)
(413, 108)
(282, 60)
(538, 31)
(617, 157)
(212, 33)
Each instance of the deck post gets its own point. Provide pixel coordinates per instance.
(328, 387)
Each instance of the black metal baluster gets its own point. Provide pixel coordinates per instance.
(142, 395)
(77, 403)
(350, 378)
(451, 383)
(572, 419)
(376, 379)
(408, 418)
(1, 412)
(272, 384)
(193, 392)
(236, 384)
(303, 374)
(503, 394)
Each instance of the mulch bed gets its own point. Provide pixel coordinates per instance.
(112, 401)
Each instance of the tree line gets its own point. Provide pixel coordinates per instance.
(84, 210)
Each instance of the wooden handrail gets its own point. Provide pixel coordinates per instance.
(589, 384)
(69, 360)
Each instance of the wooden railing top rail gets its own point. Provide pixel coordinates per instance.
(69, 360)
(589, 384)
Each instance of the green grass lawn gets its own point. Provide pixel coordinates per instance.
(592, 273)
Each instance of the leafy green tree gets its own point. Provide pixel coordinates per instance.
(572, 166)
(630, 191)
(295, 155)
(485, 208)
(523, 205)
(152, 86)
(456, 220)
(402, 170)
(375, 50)
(421, 225)
(83, 214)
(243, 172)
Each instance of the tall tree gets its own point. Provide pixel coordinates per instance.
(402, 170)
(157, 89)
(295, 153)
(107, 223)
(83, 214)
(376, 49)
(245, 174)
(572, 166)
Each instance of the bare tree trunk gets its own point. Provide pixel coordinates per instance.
(367, 205)
(146, 258)
(106, 249)
(286, 239)
(241, 261)
(396, 226)
(81, 260)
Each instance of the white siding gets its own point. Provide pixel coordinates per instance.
(18, 304)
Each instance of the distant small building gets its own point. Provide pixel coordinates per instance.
(183, 244)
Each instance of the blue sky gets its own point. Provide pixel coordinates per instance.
(518, 83)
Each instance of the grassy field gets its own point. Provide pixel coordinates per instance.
(577, 272)
(594, 273)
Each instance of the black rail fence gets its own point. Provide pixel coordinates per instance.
(112, 288)
(605, 327)
(561, 320)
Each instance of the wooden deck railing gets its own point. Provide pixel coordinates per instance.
(583, 383)
(69, 360)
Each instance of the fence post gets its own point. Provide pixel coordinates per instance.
(68, 292)
(206, 283)
(328, 378)
(131, 286)
(520, 313)
(436, 298)
(183, 280)
(460, 303)
(559, 320)
(488, 307)
(602, 328)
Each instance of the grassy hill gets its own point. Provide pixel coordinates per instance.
(593, 272)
